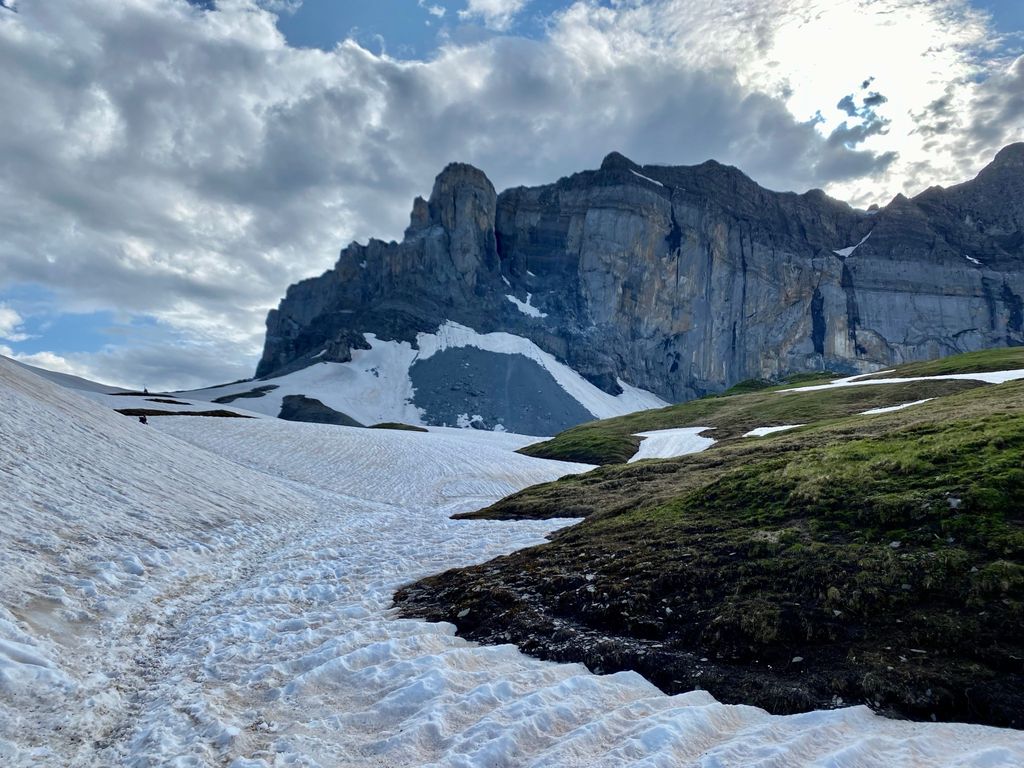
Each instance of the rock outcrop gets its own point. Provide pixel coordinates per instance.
(680, 280)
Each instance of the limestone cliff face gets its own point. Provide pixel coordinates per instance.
(682, 280)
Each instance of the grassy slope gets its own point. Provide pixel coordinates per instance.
(885, 552)
(746, 406)
(1006, 359)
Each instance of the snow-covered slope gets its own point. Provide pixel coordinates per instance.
(217, 592)
(66, 379)
(453, 376)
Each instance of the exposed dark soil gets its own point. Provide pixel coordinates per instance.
(153, 412)
(399, 426)
(309, 409)
(252, 393)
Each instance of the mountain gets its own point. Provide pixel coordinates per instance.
(676, 281)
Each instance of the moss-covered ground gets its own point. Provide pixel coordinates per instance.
(861, 559)
(732, 414)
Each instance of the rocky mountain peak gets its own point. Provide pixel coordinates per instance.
(1010, 156)
(463, 203)
(615, 161)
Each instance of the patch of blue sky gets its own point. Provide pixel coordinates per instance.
(402, 28)
(49, 330)
(1007, 15)
(405, 29)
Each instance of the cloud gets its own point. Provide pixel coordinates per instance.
(186, 164)
(496, 14)
(437, 11)
(10, 325)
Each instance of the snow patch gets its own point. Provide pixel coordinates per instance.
(891, 408)
(991, 377)
(844, 252)
(762, 431)
(973, 260)
(525, 306)
(670, 443)
(646, 178)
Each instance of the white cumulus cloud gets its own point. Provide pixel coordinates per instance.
(10, 325)
(496, 14)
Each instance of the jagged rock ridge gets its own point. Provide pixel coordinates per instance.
(680, 280)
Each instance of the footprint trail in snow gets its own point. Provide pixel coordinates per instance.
(218, 592)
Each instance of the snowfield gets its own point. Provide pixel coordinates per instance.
(375, 387)
(217, 592)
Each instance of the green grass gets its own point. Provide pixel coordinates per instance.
(613, 441)
(887, 552)
(1005, 359)
(754, 403)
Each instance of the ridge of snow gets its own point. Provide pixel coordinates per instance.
(671, 443)
(525, 306)
(762, 431)
(989, 377)
(892, 408)
(844, 252)
(646, 178)
(66, 379)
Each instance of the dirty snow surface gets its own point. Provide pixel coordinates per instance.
(217, 592)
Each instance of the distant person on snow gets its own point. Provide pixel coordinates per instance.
(143, 419)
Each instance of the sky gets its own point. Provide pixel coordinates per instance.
(169, 167)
